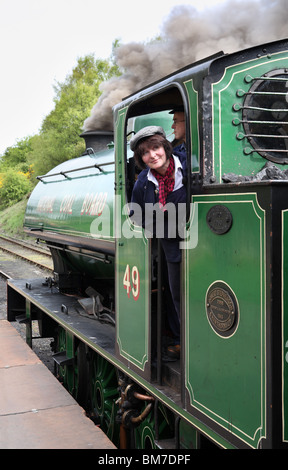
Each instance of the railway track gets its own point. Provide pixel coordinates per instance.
(21, 259)
(23, 250)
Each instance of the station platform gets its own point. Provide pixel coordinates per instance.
(36, 412)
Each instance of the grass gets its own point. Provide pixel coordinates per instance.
(12, 218)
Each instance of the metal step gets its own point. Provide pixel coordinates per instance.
(171, 375)
(62, 359)
(22, 318)
(165, 444)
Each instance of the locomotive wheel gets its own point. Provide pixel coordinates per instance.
(104, 393)
(145, 433)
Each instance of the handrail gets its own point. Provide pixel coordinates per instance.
(64, 173)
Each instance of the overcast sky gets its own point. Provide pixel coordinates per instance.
(41, 40)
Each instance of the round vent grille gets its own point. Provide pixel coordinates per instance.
(265, 115)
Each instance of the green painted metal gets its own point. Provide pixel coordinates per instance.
(187, 436)
(103, 382)
(132, 270)
(225, 376)
(66, 373)
(285, 325)
(73, 204)
(194, 125)
(228, 152)
(163, 119)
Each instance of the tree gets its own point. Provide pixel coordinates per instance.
(59, 137)
(16, 156)
(74, 98)
(13, 186)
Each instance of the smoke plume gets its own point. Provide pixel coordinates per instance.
(188, 35)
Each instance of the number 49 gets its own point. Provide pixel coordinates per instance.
(132, 282)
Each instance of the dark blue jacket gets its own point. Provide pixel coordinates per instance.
(144, 192)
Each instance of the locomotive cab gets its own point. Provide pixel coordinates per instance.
(142, 292)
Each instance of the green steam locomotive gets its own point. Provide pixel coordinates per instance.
(106, 304)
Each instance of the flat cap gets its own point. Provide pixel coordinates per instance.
(176, 109)
(145, 132)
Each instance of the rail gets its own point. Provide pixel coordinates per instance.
(27, 252)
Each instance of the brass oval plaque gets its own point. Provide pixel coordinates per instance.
(222, 309)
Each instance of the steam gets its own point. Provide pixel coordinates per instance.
(187, 36)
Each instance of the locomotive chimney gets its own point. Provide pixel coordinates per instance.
(97, 140)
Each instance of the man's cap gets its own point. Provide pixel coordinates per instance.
(176, 109)
(145, 132)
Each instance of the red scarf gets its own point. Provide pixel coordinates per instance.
(166, 182)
